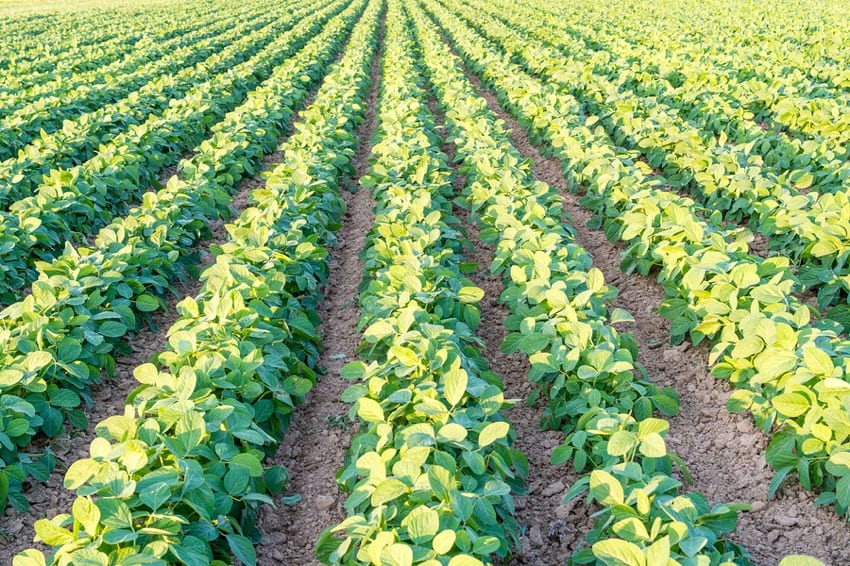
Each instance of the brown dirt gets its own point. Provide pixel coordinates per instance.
(50, 499)
(724, 452)
(320, 431)
(759, 245)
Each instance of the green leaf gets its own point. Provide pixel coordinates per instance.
(38, 360)
(485, 545)
(275, 478)
(615, 552)
(50, 534)
(17, 427)
(492, 433)
(80, 472)
(801, 179)
(470, 294)
(118, 536)
(88, 557)
(370, 410)
(4, 490)
(652, 446)
(236, 481)
(443, 542)
(69, 350)
(451, 432)
(64, 398)
(112, 329)
(800, 560)
(595, 280)
(622, 442)
(397, 555)
(533, 343)
(658, 552)
(242, 549)
(455, 385)
(605, 488)
(155, 497)
(839, 464)
(818, 361)
(29, 557)
(692, 545)
(87, 514)
(652, 425)
(776, 481)
(147, 303)
(353, 370)
(249, 462)
(772, 363)
(406, 356)
(620, 315)
(631, 529)
(791, 404)
(561, 454)
(422, 524)
(842, 491)
(739, 401)
(387, 490)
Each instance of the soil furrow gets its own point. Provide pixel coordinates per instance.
(724, 452)
(320, 431)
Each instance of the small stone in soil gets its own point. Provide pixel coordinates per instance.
(672, 355)
(758, 506)
(554, 489)
(786, 521)
(559, 529)
(324, 502)
(536, 536)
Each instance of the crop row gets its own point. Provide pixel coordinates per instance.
(584, 369)
(44, 107)
(737, 148)
(70, 204)
(96, 42)
(779, 91)
(790, 371)
(431, 471)
(188, 452)
(808, 228)
(64, 336)
(78, 140)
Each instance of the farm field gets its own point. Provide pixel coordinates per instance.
(432, 282)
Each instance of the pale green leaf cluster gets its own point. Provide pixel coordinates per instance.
(790, 366)
(431, 473)
(562, 322)
(179, 477)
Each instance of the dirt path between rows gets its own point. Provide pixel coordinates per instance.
(724, 452)
(50, 499)
(320, 432)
